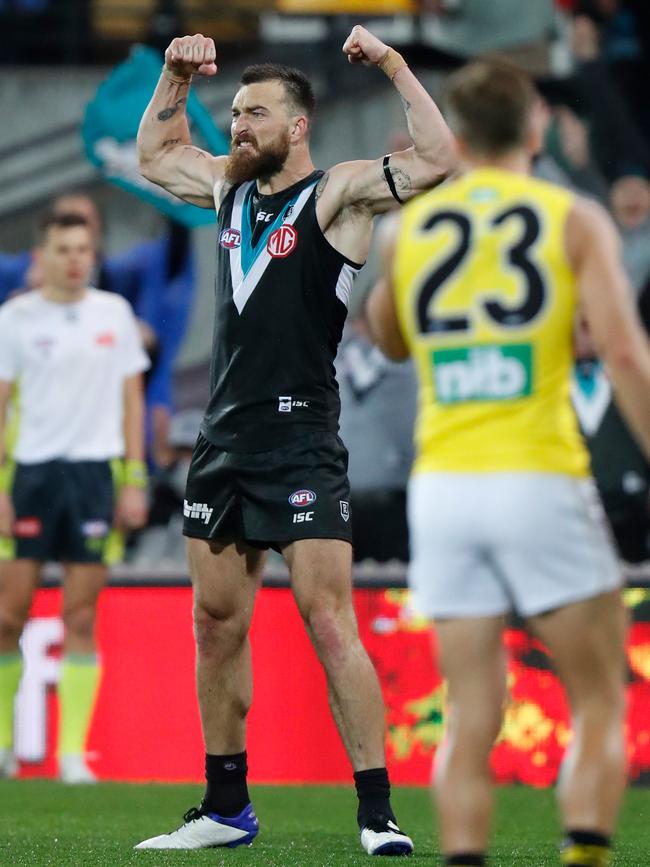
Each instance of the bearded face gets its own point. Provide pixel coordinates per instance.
(249, 160)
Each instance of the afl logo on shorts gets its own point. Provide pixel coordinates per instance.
(302, 498)
(230, 238)
(282, 241)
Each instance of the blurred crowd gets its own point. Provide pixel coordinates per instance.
(597, 143)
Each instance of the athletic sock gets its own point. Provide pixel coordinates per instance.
(373, 792)
(586, 849)
(226, 793)
(77, 692)
(465, 859)
(11, 670)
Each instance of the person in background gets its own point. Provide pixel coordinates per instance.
(75, 355)
(377, 413)
(630, 207)
(162, 539)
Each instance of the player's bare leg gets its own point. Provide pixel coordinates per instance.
(225, 578)
(586, 642)
(80, 669)
(18, 580)
(473, 661)
(321, 579)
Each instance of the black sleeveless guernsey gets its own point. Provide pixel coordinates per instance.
(281, 300)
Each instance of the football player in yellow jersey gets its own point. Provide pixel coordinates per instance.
(483, 279)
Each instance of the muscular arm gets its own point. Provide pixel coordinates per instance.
(606, 299)
(166, 153)
(381, 314)
(428, 162)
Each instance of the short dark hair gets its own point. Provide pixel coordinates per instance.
(60, 221)
(297, 87)
(489, 103)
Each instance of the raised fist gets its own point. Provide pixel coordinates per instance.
(189, 55)
(362, 47)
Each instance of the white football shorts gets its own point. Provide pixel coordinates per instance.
(483, 544)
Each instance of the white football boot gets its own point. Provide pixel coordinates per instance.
(383, 837)
(204, 830)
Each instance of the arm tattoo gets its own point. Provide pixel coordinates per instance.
(198, 153)
(320, 186)
(167, 113)
(402, 180)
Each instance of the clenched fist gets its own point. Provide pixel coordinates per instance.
(362, 47)
(189, 55)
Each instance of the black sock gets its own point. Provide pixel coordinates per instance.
(585, 849)
(466, 859)
(226, 792)
(373, 792)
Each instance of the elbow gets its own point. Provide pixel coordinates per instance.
(442, 163)
(147, 167)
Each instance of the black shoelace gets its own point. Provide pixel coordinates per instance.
(193, 814)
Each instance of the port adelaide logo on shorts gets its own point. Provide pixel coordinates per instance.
(230, 238)
(303, 497)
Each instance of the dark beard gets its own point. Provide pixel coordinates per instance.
(262, 163)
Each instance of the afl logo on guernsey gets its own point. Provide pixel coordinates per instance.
(302, 498)
(230, 238)
(282, 241)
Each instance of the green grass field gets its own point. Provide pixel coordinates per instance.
(45, 823)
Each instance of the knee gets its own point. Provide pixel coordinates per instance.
(471, 729)
(332, 632)
(218, 633)
(79, 622)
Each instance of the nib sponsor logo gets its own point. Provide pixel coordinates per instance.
(199, 511)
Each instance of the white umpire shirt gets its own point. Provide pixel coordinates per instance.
(70, 362)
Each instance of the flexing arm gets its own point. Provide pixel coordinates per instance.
(166, 153)
(428, 162)
(381, 313)
(606, 299)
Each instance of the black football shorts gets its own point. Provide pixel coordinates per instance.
(64, 510)
(299, 491)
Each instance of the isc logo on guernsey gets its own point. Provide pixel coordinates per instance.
(303, 497)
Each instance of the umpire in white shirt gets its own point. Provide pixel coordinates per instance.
(74, 356)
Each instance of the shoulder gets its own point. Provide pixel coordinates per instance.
(588, 225)
(106, 302)
(20, 305)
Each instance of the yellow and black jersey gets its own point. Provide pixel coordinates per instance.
(486, 300)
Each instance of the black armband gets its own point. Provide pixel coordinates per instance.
(390, 181)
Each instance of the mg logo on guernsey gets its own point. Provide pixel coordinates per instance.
(486, 373)
(200, 511)
(230, 238)
(282, 241)
(302, 498)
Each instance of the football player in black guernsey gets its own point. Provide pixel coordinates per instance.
(268, 469)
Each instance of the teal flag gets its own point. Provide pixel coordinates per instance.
(111, 124)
